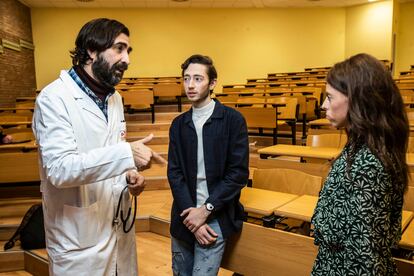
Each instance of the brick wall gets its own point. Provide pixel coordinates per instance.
(17, 70)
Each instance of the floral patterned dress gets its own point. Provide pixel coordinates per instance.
(357, 219)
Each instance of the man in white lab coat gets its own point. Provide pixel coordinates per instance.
(84, 159)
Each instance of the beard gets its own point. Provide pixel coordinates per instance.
(107, 75)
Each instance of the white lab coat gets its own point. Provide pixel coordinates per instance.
(81, 154)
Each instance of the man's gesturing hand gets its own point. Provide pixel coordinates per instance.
(143, 154)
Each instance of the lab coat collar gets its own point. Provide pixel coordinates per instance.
(80, 97)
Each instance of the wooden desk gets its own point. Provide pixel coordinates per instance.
(304, 206)
(300, 208)
(407, 216)
(291, 93)
(300, 151)
(243, 104)
(16, 108)
(263, 202)
(319, 123)
(243, 85)
(14, 123)
(22, 99)
(247, 104)
(241, 93)
(31, 145)
(407, 239)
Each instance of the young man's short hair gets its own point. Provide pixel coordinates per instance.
(96, 35)
(200, 59)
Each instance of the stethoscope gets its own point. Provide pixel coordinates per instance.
(125, 220)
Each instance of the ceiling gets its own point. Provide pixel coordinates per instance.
(190, 3)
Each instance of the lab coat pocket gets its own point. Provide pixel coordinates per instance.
(81, 226)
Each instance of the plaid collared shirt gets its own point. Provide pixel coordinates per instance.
(103, 105)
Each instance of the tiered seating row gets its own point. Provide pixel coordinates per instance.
(144, 93)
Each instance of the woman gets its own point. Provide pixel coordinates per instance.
(358, 216)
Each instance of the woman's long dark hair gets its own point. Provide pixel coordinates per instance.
(376, 114)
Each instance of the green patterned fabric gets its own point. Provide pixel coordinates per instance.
(358, 218)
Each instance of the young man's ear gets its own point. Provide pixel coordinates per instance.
(212, 84)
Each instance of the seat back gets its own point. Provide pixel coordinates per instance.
(23, 136)
(19, 167)
(287, 112)
(317, 169)
(25, 104)
(137, 98)
(331, 140)
(287, 181)
(168, 89)
(259, 117)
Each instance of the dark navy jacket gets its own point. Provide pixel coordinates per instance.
(226, 159)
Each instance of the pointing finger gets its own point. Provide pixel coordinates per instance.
(147, 138)
(159, 158)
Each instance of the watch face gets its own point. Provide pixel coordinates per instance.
(209, 206)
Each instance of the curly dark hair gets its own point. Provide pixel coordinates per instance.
(376, 114)
(96, 35)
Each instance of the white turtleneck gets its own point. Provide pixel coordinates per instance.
(200, 116)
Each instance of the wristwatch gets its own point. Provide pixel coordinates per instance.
(209, 207)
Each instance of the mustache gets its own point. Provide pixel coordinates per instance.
(121, 66)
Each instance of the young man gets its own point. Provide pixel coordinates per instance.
(207, 168)
(84, 160)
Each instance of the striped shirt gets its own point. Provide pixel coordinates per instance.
(103, 105)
